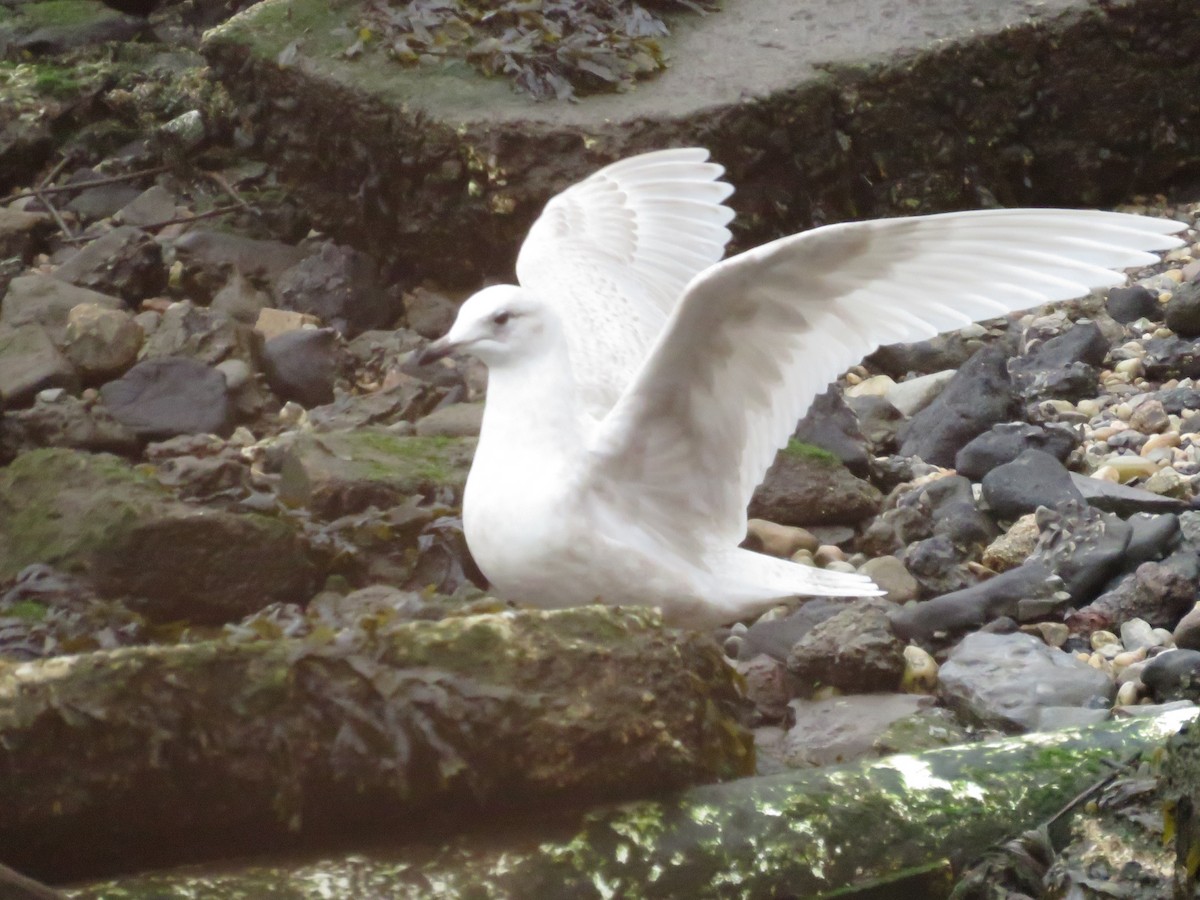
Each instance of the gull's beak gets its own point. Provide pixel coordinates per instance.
(439, 349)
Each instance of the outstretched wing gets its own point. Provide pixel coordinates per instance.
(613, 254)
(757, 337)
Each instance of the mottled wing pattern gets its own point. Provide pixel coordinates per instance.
(613, 254)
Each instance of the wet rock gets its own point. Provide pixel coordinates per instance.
(803, 488)
(337, 473)
(1128, 304)
(1063, 367)
(1159, 592)
(201, 334)
(341, 287)
(831, 424)
(1174, 675)
(429, 313)
(783, 541)
(939, 565)
(1187, 632)
(1008, 440)
(100, 342)
(841, 729)
(452, 420)
(126, 262)
(160, 398)
(879, 423)
(891, 576)
(29, 362)
(1033, 479)
(301, 365)
(102, 201)
(1183, 310)
(951, 506)
(1026, 592)
(21, 232)
(94, 515)
(854, 650)
(64, 422)
(979, 396)
(775, 636)
(48, 302)
(1007, 681)
(928, 729)
(1123, 499)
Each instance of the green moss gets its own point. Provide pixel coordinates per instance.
(423, 458)
(62, 12)
(809, 451)
(29, 610)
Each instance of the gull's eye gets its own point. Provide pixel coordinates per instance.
(502, 317)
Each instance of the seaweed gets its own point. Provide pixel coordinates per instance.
(548, 48)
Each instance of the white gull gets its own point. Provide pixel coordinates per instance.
(639, 387)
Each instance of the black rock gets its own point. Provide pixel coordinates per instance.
(1033, 479)
(979, 396)
(1153, 537)
(1008, 440)
(776, 637)
(1063, 367)
(1174, 675)
(125, 262)
(161, 398)
(1123, 499)
(952, 510)
(946, 351)
(1177, 401)
(1082, 546)
(342, 288)
(1171, 357)
(301, 365)
(1158, 592)
(1183, 310)
(1127, 304)
(831, 425)
(938, 564)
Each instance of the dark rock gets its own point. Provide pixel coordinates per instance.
(24, 148)
(1123, 499)
(1174, 675)
(48, 302)
(29, 362)
(102, 201)
(151, 206)
(21, 233)
(802, 488)
(66, 422)
(55, 40)
(1159, 592)
(341, 287)
(854, 650)
(776, 636)
(1033, 479)
(1082, 546)
(766, 681)
(301, 365)
(209, 257)
(952, 511)
(1128, 304)
(842, 729)
(1171, 357)
(978, 397)
(1187, 631)
(201, 334)
(939, 565)
(1063, 366)
(946, 351)
(126, 262)
(1183, 310)
(1008, 440)
(1153, 537)
(1008, 681)
(429, 313)
(95, 515)
(1032, 584)
(452, 420)
(160, 398)
(832, 425)
(1180, 400)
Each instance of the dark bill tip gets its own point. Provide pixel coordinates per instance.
(439, 349)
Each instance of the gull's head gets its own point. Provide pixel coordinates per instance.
(498, 325)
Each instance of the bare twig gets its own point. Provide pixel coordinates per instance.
(80, 185)
(223, 183)
(62, 225)
(53, 173)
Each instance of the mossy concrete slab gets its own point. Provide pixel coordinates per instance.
(821, 112)
(94, 515)
(337, 473)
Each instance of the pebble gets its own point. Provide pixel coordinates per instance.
(1129, 467)
(1103, 638)
(783, 541)
(920, 671)
(1128, 693)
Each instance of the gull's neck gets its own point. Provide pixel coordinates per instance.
(532, 413)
